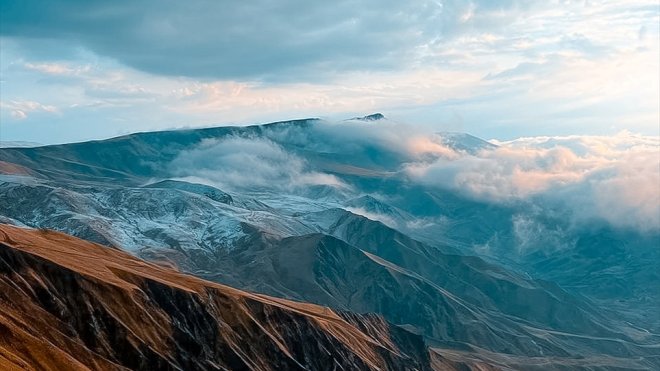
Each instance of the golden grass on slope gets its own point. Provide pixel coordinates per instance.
(116, 284)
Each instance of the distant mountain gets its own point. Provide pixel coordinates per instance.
(324, 270)
(464, 142)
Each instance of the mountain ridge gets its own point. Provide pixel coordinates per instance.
(46, 266)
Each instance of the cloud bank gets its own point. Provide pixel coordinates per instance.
(612, 178)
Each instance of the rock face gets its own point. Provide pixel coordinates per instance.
(69, 304)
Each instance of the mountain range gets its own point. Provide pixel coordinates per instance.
(306, 221)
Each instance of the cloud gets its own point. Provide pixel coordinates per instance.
(611, 178)
(504, 173)
(239, 163)
(531, 233)
(272, 155)
(20, 110)
(57, 68)
(283, 40)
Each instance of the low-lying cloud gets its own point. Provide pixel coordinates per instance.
(409, 142)
(613, 178)
(235, 163)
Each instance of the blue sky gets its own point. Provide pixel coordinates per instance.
(78, 70)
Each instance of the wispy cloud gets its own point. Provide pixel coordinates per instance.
(239, 163)
(21, 109)
(57, 68)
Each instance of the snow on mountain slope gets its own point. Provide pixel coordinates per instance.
(138, 217)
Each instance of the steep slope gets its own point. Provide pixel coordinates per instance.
(226, 244)
(479, 283)
(606, 264)
(615, 267)
(69, 304)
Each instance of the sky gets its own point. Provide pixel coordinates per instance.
(90, 69)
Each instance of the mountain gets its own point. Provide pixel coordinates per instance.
(464, 142)
(147, 316)
(7, 144)
(70, 304)
(317, 213)
(372, 117)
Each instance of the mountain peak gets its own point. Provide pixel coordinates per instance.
(373, 117)
(464, 142)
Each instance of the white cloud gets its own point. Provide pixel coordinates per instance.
(287, 40)
(53, 68)
(615, 178)
(20, 110)
(18, 114)
(236, 163)
(530, 234)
